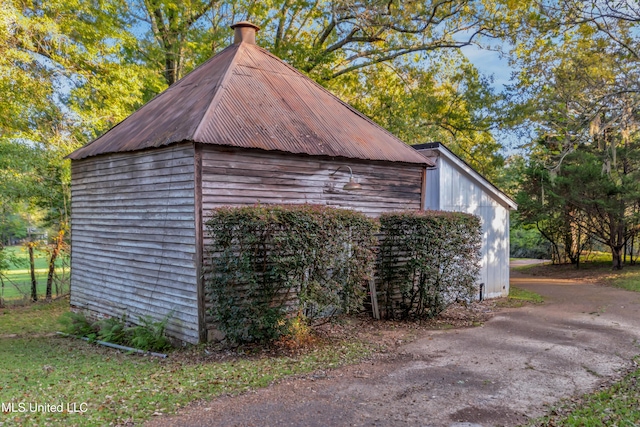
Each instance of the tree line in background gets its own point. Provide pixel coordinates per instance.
(71, 69)
(579, 91)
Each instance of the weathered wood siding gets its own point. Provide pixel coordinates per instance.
(235, 178)
(457, 191)
(133, 237)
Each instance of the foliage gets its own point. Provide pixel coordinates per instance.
(269, 264)
(447, 102)
(582, 98)
(112, 329)
(326, 39)
(528, 243)
(586, 198)
(428, 260)
(63, 69)
(13, 226)
(148, 334)
(4, 259)
(77, 324)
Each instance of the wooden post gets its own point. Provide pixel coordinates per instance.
(374, 299)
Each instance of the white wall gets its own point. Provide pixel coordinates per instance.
(449, 188)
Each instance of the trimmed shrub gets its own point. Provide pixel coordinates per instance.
(270, 264)
(427, 261)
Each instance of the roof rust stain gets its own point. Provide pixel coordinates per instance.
(246, 97)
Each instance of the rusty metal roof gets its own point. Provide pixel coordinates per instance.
(246, 97)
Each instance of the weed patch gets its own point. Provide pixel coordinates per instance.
(614, 405)
(148, 335)
(519, 297)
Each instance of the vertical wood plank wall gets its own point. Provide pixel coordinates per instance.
(458, 192)
(133, 237)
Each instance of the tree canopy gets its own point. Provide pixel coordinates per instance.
(579, 87)
(72, 69)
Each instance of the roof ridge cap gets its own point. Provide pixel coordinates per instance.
(73, 154)
(218, 93)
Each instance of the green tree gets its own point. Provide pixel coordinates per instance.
(582, 98)
(67, 68)
(323, 38)
(449, 103)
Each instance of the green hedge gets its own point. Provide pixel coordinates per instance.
(427, 261)
(270, 264)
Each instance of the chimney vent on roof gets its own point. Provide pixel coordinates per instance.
(245, 32)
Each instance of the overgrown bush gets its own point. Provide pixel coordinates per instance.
(270, 264)
(149, 335)
(427, 261)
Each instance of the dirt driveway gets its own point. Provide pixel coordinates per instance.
(499, 374)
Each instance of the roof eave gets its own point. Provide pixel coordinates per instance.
(461, 164)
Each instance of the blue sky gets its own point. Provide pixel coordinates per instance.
(490, 64)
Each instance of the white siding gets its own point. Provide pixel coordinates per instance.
(133, 237)
(461, 193)
(432, 196)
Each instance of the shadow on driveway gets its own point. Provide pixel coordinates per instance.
(499, 374)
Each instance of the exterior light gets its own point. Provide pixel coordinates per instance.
(352, 185)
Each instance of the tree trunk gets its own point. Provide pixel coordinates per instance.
(32, 266)
(1, 292)
(616, 254)
(57, 245)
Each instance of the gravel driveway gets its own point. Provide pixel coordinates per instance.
(499, 374)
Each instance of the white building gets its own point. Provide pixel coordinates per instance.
(453, 185)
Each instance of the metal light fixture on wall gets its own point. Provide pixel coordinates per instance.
(352, 185)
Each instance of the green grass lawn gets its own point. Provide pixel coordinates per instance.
(119, 388)
(628, 278)
(17, 280)
(34, 319)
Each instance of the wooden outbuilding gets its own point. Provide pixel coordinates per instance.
(243, 128)
(453, 185)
